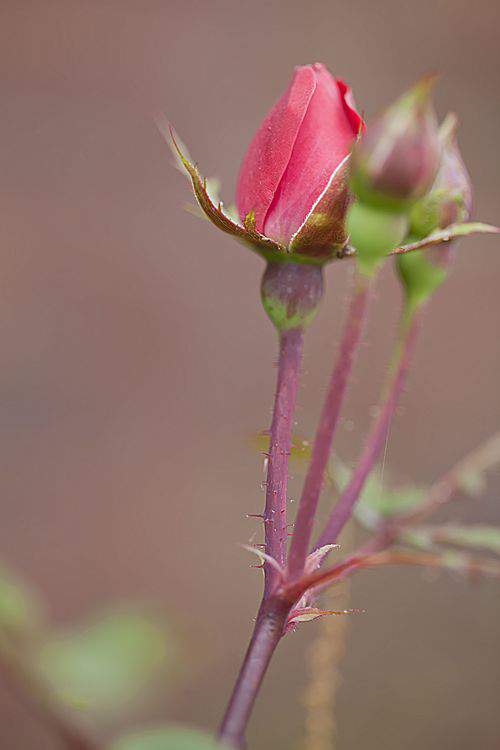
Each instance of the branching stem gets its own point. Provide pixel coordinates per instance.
(400, 364)
(337, 387)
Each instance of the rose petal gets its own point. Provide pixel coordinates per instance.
(270, 150)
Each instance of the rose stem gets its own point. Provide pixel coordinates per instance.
(400, 364)
(269, 628)
(273, 612)
(313, 483)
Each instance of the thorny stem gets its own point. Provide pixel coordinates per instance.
(280, 439)
(35, 697)
(273, 612)
(337, 387)
(277, 603)
(409, 327)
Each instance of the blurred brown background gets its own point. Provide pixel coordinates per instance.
(135, 361)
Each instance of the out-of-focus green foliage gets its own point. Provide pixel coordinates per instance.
(480, 537)
(106, 665)
(22, 610)
(168, 738)
(378, 503)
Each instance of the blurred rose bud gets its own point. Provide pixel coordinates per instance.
(448, 202)
(287, 182)
(396, 162)
(450, 198)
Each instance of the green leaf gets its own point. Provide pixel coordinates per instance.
(169, 738)
(418, 537)
(22, 610)
(482, 536)
(106, 665)
(378, 503)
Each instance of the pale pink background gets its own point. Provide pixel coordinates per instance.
(135, 360)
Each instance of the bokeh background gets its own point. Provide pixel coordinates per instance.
(136, 364)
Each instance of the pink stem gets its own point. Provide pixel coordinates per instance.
(280, 439)
(326, 429)
(273, 611)
(267, 633)
(377, 437)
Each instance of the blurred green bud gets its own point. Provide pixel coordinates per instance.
(291, 293)
(450, 198)
(374, 232)
(396, 161)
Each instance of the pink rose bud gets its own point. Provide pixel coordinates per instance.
(396, 162)
(450, 198)
(292, 181)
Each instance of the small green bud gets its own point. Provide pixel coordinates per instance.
(291, 293)
(374, 232)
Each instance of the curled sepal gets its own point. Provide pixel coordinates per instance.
(454, 231)
(215, 212)
(316, 558)
(323, 233)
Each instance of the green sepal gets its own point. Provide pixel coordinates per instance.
(215, 212)
(373, 233)
(321, 238)
(419, 276)
(454, 231)
(323, 234)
